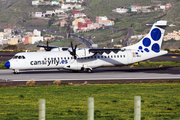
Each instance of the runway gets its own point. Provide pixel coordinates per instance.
(113, 74)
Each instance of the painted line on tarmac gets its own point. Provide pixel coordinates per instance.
(154, 78)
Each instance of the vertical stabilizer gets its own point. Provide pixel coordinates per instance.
(153, 40)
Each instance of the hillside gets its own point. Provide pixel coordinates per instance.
(12, 12)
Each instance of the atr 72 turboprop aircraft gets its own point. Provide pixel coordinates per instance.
(87, 59)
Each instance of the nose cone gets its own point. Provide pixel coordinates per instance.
(7, 64)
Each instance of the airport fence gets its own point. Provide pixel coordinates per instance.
(114, 112)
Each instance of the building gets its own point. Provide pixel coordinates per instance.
(100, 18)
(59, 11)
(35, 2)
(55, 2)
(13, 40)
(64, 7)
(37, 33)
(38, 14)
(77, 15)
(63, 23)
(76, 12)
(33, 38)
(8, 31)
(120, 10)
(168, 5)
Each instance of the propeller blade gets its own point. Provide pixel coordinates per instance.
(71, 45)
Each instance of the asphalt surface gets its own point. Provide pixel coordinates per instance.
(102, 74)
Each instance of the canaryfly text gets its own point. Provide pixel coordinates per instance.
(48, 62)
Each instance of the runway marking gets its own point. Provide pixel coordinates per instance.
(102, 79)
(173, 57)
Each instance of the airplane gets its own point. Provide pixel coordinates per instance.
(87, 59)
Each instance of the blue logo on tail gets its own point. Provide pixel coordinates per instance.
(155, 35)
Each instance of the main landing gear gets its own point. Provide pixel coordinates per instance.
(88, 70)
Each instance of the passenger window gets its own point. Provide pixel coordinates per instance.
(44, 58)
(68, 58)
(114, 56)
(108, 56)
(23, 57)
(124, 55)
(65, 58)
(111, 56)
(104, 56)
(61, 58)
(19, 57)
(58, 58)
(95, 57)
(121, 56)
(117, 56)
(101, 56)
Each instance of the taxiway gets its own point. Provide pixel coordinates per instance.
(113, 74)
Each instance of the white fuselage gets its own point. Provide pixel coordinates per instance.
(64, 60)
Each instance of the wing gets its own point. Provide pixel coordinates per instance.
(47, 48)
(101, 51)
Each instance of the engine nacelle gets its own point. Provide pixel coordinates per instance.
(81, 53)
(59, 49)
(73, 67)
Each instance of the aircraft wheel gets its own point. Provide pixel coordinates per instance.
(16, 71)
(88, 70)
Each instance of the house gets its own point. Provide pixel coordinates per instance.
(55, 2)
(12, 40)
(72, 6)
(74, 1)
(120, 10)
(8, 30)
(137, 36)
(163, 7)
(168, 5)
(35, 2)
(76, 12)
(59, 11)
(37, 33)
(63, 23)
(38, 14)
(64, 7)
(104, 21)
(138, 8)
(4, 41)
(79, 15)
(135, 8)
(50, 12)
(100, 18)
(32, 39)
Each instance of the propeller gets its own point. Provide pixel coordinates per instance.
(73, 52)
(47, 48)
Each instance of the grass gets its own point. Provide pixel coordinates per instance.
(159, 64)
(112, 102)
(2, 65)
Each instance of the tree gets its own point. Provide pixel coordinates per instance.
(84, 4)
(50, 23)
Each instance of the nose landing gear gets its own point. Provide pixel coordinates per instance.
(16, 71)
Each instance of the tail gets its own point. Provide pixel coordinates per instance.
(150, 45)
(153, 40)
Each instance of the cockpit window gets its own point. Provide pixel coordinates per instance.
(18, 57)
